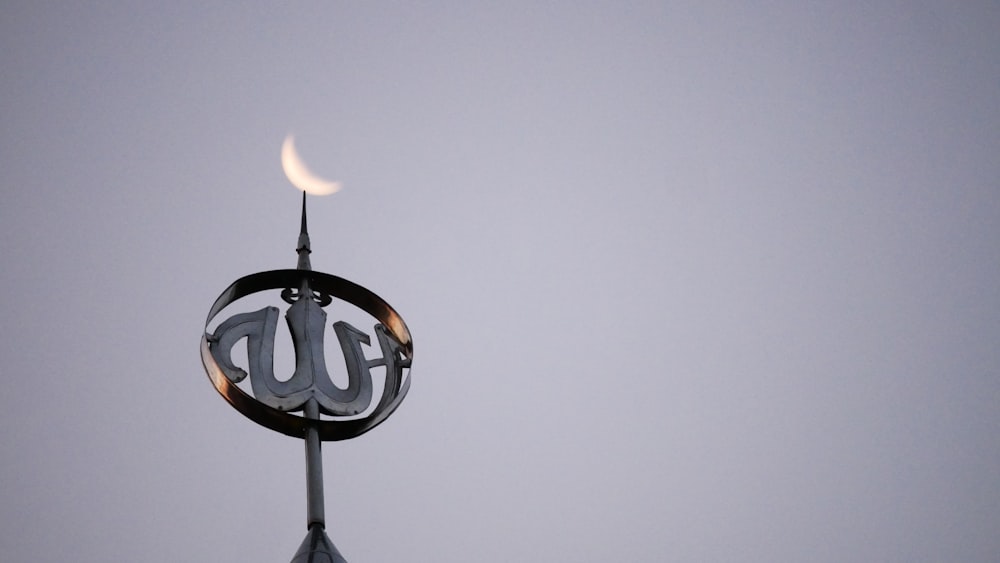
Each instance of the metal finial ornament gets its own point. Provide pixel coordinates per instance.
(302, 249)
(308, 405)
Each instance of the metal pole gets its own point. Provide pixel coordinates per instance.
(314, 469)
(317, 547)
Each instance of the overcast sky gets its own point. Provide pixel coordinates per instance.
(709, 281)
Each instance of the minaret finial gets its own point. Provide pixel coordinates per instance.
(303, 247)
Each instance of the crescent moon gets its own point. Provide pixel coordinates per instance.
(300, 176)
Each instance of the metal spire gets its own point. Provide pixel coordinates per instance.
(303, 247)
(317, 547)
(272, 402)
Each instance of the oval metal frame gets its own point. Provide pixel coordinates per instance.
(281, 421)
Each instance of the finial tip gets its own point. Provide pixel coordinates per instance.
(303, 249)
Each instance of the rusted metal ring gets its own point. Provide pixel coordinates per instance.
(281, 421)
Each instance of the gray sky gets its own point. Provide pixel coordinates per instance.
(687, 282)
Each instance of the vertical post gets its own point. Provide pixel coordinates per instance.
(314, 454)
(314, 469)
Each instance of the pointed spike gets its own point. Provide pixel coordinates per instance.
(304, 230)
(303, 247)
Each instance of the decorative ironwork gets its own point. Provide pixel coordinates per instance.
(274, 401)
(328, 412)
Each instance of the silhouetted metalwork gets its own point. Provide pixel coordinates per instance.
(274, 401)
(317, 548)
(328, 412)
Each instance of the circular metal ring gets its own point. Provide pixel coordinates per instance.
(281, 421)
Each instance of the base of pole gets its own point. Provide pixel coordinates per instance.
(317, 548)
